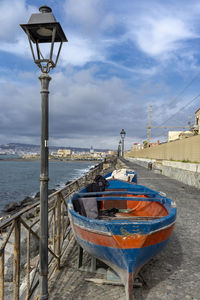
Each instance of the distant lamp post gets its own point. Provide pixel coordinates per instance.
(123, 134)
(119, 148)
(43, 28)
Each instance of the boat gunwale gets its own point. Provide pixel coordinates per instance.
(108, 233)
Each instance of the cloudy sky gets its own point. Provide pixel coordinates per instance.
(121, 57)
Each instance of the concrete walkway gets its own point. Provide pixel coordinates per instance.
(173, 275)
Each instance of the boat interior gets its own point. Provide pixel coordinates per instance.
(119, 204)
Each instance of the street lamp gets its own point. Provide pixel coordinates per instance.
(120, 148)
(43, 28)
(123, 134)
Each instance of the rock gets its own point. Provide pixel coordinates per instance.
(12, 206)
(26, 201)
(68, 182)
(37, 195)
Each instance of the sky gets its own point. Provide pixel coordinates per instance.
(121, 57)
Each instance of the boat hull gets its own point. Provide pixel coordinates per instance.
(127, 252)
(124, 244)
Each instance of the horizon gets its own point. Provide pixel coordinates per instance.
(38, 145)
(119, 59)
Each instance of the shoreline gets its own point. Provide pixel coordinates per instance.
(14, 205)
(50, 159)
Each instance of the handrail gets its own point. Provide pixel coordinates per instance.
(24, 234)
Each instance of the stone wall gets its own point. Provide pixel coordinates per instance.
(187, 149)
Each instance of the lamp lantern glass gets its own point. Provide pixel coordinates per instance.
(43, 28)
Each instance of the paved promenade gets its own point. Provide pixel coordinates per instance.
(173, 275)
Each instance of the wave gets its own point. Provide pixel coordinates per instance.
(77, 173)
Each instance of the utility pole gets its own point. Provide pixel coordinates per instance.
(149, 125)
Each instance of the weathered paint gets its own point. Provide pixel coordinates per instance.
(124, 241)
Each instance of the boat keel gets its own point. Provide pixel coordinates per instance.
(129, 286)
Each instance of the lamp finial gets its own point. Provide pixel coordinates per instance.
(45, 9)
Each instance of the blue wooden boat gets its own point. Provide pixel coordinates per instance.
(141, 226)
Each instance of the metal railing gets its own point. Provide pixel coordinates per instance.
(19, 241)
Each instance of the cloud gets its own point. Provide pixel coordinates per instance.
(162, 29)
(20, 47)
(13, 13)
(82, 109)
(80, 51)
(92, 28)
(12, 38)
(166, 35)
(89, 16)
(118, 59)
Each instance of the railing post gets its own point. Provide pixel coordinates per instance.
(16, 263)
(2, 275)
(63, 219)
(54, 229)
(77, 185)
(58, 229)
(28, 263)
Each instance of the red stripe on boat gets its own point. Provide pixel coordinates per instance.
(126, 241)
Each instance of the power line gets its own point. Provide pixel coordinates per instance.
(180, 93)
(182, 108)
(185, 88)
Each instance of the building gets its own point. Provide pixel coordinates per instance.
(111, 152)
(91, 150)
(154, 144)
(185, 134)
(173, 135)
(137, 146)
(194, 129)
(64, 152)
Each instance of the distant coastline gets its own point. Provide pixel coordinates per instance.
(37, 158)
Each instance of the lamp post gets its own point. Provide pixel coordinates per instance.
(120, 148)
(43, 28)
(123, 134)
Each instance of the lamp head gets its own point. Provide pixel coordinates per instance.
(43, 28)
(40, 27)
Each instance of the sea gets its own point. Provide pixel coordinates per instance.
(20, 178)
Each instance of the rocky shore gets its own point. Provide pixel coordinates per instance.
(14, 207)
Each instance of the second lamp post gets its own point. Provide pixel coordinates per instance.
(123, 134)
